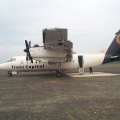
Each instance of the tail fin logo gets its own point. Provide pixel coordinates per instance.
(118, 39)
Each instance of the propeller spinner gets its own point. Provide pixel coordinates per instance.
(28, 46)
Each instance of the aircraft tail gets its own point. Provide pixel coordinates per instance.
(113, 52)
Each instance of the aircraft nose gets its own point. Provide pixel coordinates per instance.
(3, 66)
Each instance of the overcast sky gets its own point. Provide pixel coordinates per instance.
(91, 24)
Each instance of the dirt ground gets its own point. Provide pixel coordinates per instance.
(43, 96)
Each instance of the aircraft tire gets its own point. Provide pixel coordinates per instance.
(58, 74)
(9, 74)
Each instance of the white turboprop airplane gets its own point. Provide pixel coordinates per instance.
(56, 55)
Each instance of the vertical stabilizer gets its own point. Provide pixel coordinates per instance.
(114, 48)
(113, 52)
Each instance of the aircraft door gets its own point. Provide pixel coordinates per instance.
(81, 64)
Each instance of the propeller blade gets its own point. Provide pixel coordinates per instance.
(27, 57)
(30, 58)
(29, 44)
(26, 43)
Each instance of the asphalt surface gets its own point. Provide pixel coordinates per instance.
(43, 96)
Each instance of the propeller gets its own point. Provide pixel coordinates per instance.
(28, 46)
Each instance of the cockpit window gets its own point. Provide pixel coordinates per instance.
(13, 59)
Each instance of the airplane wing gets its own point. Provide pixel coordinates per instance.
(56, 39)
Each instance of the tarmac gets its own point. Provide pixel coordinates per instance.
(43, 96)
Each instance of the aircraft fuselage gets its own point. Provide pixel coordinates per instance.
(19, 64)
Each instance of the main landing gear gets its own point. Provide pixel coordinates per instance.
(58, 74)
(59, 70)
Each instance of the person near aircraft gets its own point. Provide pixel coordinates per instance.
(91, 71)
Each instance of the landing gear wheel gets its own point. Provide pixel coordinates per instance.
(9, 74)
(58, 74)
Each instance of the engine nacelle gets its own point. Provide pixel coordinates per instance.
(40, 52)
